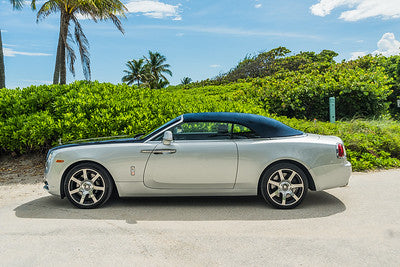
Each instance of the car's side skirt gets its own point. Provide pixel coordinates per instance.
(137, 189)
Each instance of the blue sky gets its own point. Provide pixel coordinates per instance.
(201, 38)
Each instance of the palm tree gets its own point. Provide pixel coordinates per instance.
(162, 83)
(136, 72)
(2, 68)
(157, 67)
(69, 11)
(186, 80)
(17, 4)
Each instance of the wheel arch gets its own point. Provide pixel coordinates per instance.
(64, 175)
(311, 184)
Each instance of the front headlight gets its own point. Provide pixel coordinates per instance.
(50, 156)
(48, 160)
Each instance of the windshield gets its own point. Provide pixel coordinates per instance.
(162, 127)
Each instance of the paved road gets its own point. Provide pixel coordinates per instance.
(357, 225)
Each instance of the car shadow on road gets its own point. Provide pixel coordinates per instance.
(316, 204)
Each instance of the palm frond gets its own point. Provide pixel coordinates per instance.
(46, 9)
(17, 4)
(71, 57)
(117, 23)
(94, 9)
(128, 79)
(83, 45)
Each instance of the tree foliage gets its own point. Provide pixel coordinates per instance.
(186, 80)
(149, 71)
(270, 62)
(136, 72)
(70, 11)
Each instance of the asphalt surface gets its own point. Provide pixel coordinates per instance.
(357, 225)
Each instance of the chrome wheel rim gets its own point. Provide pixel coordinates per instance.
(86, 187)
(285, 187)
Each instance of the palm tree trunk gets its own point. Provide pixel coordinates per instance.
(64, 31)
(56, 75)
(2, 70)
(138, 83)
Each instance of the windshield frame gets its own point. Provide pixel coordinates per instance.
(162, 128)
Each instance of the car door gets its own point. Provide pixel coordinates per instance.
(202, 155)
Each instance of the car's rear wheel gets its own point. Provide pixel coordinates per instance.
(88, 186)
(284, 185)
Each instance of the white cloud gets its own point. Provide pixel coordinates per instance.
(215, 66)
(9, 52)
(258, 5)
(358, 9)
(358, 54)
(388, 45)
(180, 34)
(154, 9)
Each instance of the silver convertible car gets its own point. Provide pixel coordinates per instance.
(201, 154)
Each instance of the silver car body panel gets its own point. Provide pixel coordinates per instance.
(195, 164)
(193, 168)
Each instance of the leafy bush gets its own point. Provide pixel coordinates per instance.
(369, 144)
(305, 94)
(35, 118)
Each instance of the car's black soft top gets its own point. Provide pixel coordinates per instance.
(263, 126)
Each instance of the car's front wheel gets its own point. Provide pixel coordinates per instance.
(284, 185)
(88, 186)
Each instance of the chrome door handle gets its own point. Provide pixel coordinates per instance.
(159, 151)
(164, 151)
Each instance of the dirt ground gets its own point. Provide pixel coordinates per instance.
(25, 169)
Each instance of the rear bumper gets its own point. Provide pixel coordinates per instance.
(331, 176)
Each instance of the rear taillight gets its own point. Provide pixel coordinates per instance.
(340, 152)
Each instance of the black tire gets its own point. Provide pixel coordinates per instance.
(88, 186)
(284, 179)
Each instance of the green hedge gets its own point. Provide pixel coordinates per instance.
(35, 118)
(369, 144)
(358, 92)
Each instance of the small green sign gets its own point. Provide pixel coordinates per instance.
(332, 115)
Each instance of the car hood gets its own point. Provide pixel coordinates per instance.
(112, 141)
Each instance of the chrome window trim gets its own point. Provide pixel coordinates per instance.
(166, 129)
(181, 121)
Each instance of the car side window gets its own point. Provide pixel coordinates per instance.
(243, 132)
(202, 131)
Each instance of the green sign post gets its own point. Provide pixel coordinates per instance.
(332, 115)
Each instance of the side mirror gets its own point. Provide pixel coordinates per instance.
(167, 138)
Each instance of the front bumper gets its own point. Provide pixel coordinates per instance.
(52, 178)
